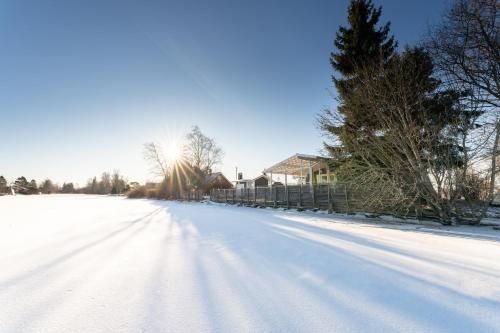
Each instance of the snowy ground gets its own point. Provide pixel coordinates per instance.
(108, 264)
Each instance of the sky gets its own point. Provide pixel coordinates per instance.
(84, 84)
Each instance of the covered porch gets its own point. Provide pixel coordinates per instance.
(304, 169)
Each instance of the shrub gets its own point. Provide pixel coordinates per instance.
(138, 192)
(152, 193)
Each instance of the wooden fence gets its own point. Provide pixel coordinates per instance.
(339, 198)
(329, 197)
(191, 196)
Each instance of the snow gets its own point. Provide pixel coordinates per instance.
(72, 263)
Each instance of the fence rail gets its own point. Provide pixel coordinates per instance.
(328, 197)
(339, 198)
(191, 196)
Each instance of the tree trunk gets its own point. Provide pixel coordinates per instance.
(491, 190)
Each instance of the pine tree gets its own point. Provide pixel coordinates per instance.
(359, 45)
(94, 186)
(32, 187)
(47, 187)
(21, 185)
(3, 185)
(68, 188)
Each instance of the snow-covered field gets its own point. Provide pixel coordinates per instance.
(108, 264)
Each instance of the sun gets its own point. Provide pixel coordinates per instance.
(173, 152)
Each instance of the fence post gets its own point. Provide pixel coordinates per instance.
(287, 197)
(299, 202)
(234, 193)
(330, 203)
(265, 196)
(313, 195)
(255, 195)
(275, 197)
(346, 199)
(225, 195)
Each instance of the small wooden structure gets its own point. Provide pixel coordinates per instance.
(307, 169)
(261, 181)
(216, 180)
(314, 189)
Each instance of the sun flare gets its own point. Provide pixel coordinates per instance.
(173, 152)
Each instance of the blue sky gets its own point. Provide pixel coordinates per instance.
(84, 84)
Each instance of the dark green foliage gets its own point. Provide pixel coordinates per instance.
(93, 186)
(32, 187)
(362, 41)
(361, 44)
(3, 185)
(48, 187)
(68, 188)
(21, 185)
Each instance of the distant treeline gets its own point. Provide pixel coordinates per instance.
(107, 184)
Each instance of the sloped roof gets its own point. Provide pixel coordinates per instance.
(262, 176)
(294, 164)
(213, 176)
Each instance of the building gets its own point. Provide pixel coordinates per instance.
(242, 184)
(259, 181)
(304, 169)
(216, 180)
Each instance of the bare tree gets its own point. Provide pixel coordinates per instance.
(154, 156)
(118, 183)
(105, 186)
(465, 47)
(201, 151)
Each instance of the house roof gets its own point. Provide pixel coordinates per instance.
(214, 176)
(296, 164)
(261, 176)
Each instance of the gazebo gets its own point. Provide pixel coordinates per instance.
(308, 169)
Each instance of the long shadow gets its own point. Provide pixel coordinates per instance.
(389, 250)
(408, 296)
(152, 319)
(45, 305)
(349, 237)
(400, 226)
(67, 256)
(268, 219)
(279, 246)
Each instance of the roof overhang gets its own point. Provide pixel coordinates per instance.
(297, 164)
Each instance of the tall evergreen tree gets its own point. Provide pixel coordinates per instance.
(94, 186)
(362, 43)
(21, 185)
(32, 187)
(47, 187)
(3, 184)
(68, 188)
